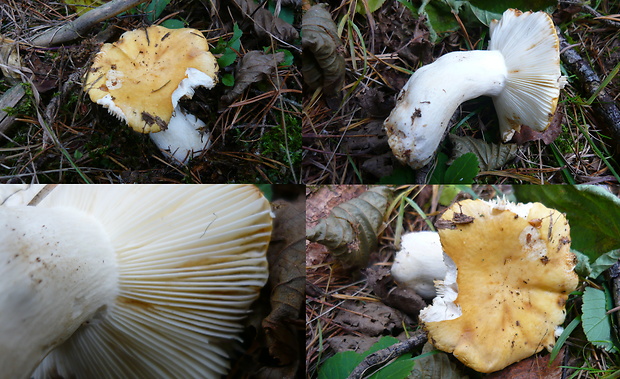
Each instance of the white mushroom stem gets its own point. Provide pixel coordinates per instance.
(61, 269)
(185, 137)
(520, 71)
(417, 124)
(419, 263)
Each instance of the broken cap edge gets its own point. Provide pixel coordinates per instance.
(515, 318)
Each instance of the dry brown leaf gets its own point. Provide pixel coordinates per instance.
(265, 24)
(550, 134)
(534, 367)
(253, 67)
(287, 280)
(350, 231)
(322, 61)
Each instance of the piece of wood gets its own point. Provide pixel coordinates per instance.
(8, 100)
(79, 26)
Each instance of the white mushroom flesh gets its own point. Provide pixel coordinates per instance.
(419, 263)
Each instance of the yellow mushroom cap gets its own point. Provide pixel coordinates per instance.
(514, 271)
(141, 77)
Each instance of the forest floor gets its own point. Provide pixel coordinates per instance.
(56, 134)
(344, 142)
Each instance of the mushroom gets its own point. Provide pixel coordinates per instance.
(419, 263)
(129, 281)
(520, 71)
(510, 271)
(141, 78)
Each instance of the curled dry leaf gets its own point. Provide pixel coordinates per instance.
(10, 62)
(350, 231)
(322, 61)
(265, 24)
(490, 155)
(252, 68)
(287, 281)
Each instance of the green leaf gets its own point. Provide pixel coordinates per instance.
(400, 175)
(490, 155)
(593, 214)
(595, 320)
(399, 369)
(604, 262)
(267, 190)
(288, 58)
(173, 23)
(227, 59)
(228, 80)
(235, 40)
(385, 341)
(155, 9)
(437, 177)
(441, 17)
(563, 337)
(463, 170)
(286, 14)
(77, 154)
(484, 16)
(409, 6)
(373, 5)
(449, 193)
(340, 365)
(524, 5)
(582, 268)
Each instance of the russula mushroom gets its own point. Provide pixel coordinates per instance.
(141, 77)
(419, 263)
(520, 71)
(129, 281)
(510, 271)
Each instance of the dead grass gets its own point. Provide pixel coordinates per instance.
(76, 141)
(379, 61)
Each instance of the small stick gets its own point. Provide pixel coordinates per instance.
(42, 194)
(590, 82)
(74, 29)
(389, 353)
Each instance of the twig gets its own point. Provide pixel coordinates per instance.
(605, 104)
(601, 17)
(74, 29)
(42, 194)
(389, 353)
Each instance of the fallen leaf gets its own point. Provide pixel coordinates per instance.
(265, 24)
(549, 135)
(490, 155)
(322, 62)
(436, 365)
(287, 281)
(370, 319)
(253, 67)
(350, 231)
(401, 298)
(534, 367)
